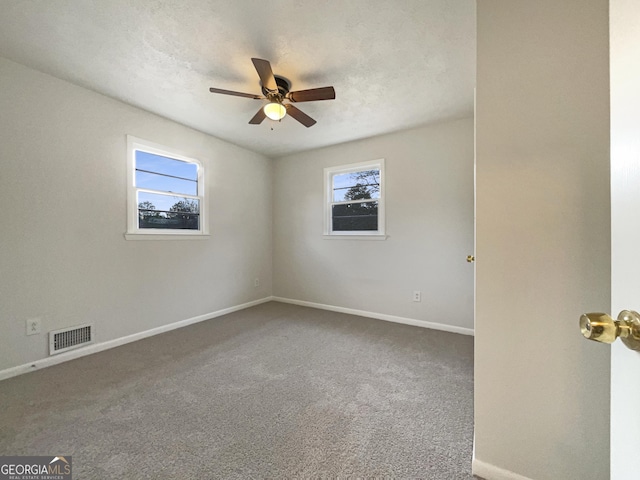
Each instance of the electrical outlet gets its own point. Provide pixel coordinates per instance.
(256, 282)
(34, 326)
(417, 296)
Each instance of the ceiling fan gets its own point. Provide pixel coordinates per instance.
(277, 89)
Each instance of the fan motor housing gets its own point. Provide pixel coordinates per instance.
(284, 85)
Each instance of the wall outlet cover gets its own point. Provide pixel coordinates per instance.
(34, 326)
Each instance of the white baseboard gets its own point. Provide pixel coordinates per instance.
(491, 472)
(379, 316)
(99, 347)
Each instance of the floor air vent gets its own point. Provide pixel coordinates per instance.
(69, 338)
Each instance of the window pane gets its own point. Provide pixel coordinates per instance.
(168, 211)
(360, 185)
(167, 184)
(162, 173)
(355, 217)
(168, 166)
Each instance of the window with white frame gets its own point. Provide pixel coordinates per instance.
(354, 199)
(166, 191)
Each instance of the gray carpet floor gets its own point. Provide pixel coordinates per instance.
(274, 391)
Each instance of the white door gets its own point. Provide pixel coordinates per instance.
(625, 231)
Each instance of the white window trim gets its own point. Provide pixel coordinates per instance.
(329, 173)
(136, 233)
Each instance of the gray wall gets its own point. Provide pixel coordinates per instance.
(429, 218)
(543, 238)
(63, 194)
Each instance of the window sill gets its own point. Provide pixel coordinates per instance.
(355, 237)
(166, 236)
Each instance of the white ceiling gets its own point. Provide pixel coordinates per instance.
(394, 64)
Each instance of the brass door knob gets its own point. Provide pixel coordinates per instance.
(602, 328)
(471, 258)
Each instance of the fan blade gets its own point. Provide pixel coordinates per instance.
(324, 93)
(300, 116)
(263, 67)
(258, 117)
(237, 94)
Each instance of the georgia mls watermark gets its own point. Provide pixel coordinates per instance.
(35, 468)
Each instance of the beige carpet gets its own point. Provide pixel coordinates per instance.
(274, 391)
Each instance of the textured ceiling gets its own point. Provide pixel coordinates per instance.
(394, 64)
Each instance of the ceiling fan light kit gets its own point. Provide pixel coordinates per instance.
(275, 111)
(276, 90)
